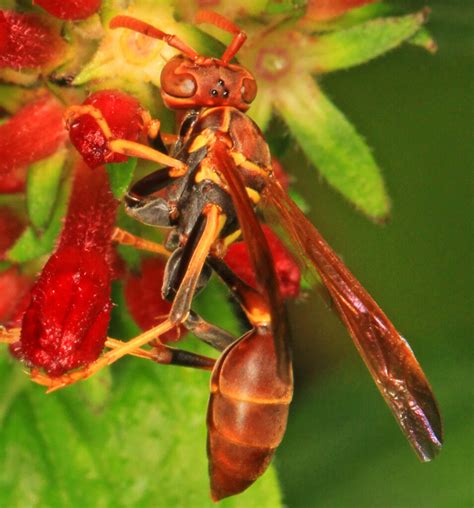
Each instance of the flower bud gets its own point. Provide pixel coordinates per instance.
(70, 9)
(65, 325)
(32, 134)
(123, 115)
(27, 42)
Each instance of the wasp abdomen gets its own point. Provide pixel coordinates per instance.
(247, 414)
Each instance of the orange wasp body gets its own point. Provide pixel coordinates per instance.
(217, 172)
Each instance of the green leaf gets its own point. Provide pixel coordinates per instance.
(145, 445)
(32, 245)
(359, 44)
(286, 7)
(299, 200)
(12, 97)
(122, 323)
(424, 40)
(42, 188)
(261, 110)
(332, 144)
(349, 19)
(120, 176)
(7, 4)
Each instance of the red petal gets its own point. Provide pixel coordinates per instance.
(91, 212)
(14, 295)
(26, 41)
(287, 270)
(320, 10)
(144, 300)
(34, 133)
(65, 325)
(123, 114)
(4, 33)
(70, 9)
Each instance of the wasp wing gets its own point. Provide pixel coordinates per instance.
(386, 353)
(260, 256)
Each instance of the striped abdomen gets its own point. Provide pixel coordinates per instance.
(247, 414)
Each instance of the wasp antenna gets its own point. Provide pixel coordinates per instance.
(213, 18)
(150, 31)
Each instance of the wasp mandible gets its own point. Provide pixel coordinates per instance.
(217, 172)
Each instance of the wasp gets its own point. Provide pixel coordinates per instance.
(217, 172)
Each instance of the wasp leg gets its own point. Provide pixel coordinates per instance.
(148, 209)
(179, 309)
(134, 149)
(167, 355)
(182, 301)
(125, 238)
(74, 112)
(158, 139)
(213, 335)
(124, 146)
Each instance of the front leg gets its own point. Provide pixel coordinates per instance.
(124, 146)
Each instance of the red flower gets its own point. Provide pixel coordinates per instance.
(26, 41)
(35, 132)
(322, 10)
(123, 114)
(14, 296)
(287, 270)
(144, 300)
(65, 326)
(70, 9)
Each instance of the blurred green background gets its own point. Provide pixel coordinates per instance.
(343, 448)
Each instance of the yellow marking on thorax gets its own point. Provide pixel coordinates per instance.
(241, 161)
(206, 137)
(207, 172)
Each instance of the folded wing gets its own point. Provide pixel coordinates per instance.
(386, 353)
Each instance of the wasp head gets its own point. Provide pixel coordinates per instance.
(206, 82)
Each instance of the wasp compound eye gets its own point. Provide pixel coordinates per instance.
(175, 83)
(180, 85)
(248, 90)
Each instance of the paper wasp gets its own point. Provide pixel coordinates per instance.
(218, 170)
